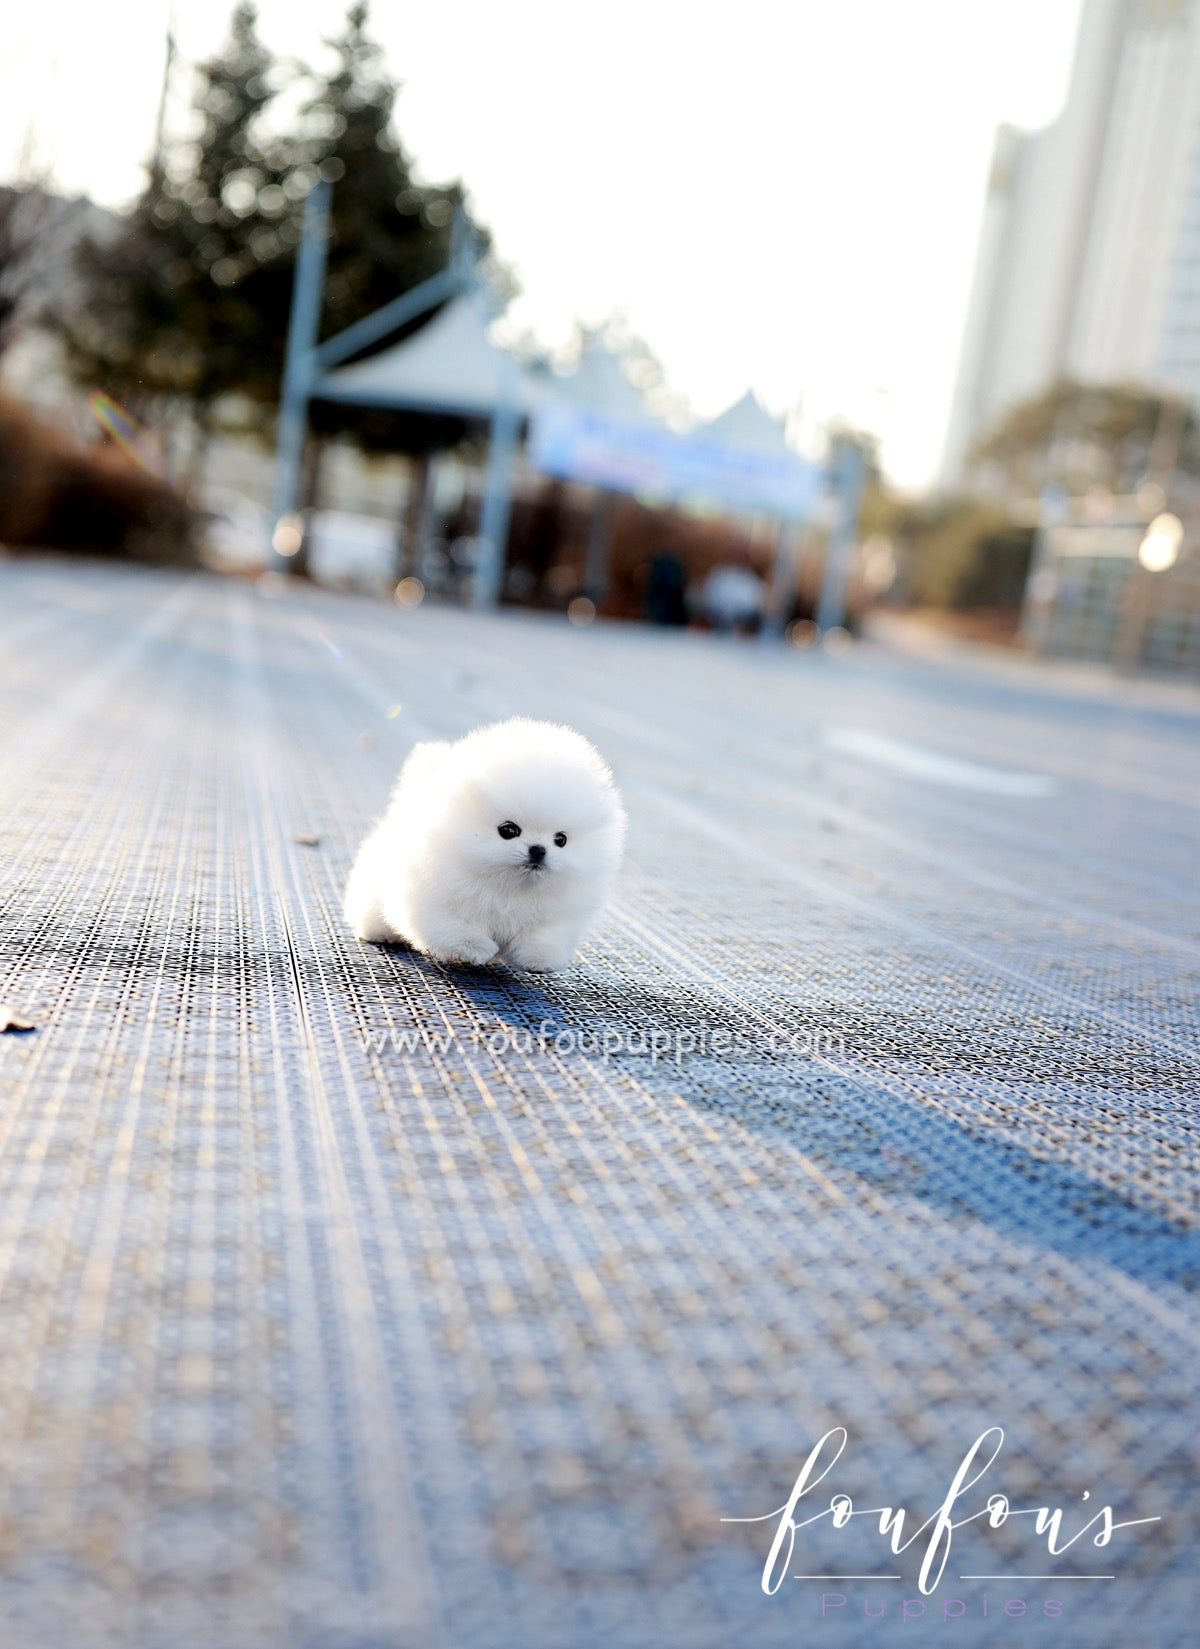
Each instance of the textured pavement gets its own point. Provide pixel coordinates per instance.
(350, 1301)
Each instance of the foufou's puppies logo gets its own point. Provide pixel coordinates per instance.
(932, 1538)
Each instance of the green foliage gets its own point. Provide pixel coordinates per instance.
(1078, 436)
(191, 297)
(185, 298)
(962, 552)
(995, 574)
(387, 234)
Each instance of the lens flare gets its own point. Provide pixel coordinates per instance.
(410, 592)
(288, 535)
(133, 438)
(1160, 547)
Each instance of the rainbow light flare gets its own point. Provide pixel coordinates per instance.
(133, 438)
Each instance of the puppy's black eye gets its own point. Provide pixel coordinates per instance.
(560, 838)
(508, 830)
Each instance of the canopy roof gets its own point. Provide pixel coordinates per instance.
(748, 426)
(591, 426)
(450, 366)
(599, 382)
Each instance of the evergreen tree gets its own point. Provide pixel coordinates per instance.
(387, 234)
(191, 297)
(1083, 435)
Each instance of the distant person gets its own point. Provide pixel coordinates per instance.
(665, 599)
(732, 599)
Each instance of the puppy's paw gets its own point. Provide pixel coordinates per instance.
(539, 956)
(472, 948)
(374, 932)
(368, 923)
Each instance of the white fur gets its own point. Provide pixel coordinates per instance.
(436, 872)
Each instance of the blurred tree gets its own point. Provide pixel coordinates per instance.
(187, 300)
(1083, 435)
(639, 363)
(30, 215)
(192, 298)
(387, 233)
(951, 547)
(956, 553)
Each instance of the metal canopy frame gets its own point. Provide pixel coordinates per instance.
(307, 362)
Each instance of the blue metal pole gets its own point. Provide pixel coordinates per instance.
(782, 588)
(849, 473)
(597, 558)
(497, 493)
(298, 374)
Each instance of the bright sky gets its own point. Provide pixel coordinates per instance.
(778, 193)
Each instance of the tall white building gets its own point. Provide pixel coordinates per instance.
(1089, 257)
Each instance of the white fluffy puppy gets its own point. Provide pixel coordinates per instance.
(504, 844)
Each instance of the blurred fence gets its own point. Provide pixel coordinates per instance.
(1090, 598)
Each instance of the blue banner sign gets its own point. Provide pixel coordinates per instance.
(651, 461)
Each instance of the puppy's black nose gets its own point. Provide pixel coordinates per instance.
(536, 853)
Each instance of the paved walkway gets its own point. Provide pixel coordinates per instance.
(348, 1301)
